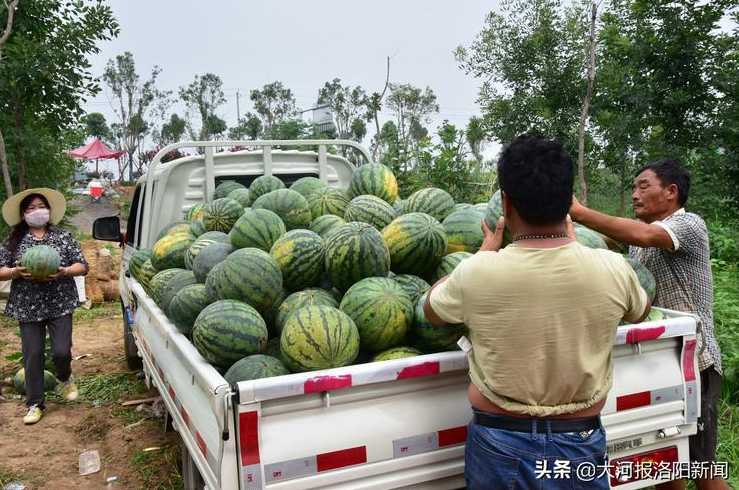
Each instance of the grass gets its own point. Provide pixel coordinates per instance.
(109, 387)
(158, 469)
(8, 476)
(106, 310)
(728, 437)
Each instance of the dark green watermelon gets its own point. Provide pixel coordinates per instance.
(256, 366)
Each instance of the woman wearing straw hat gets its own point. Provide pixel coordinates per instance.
(41, 304)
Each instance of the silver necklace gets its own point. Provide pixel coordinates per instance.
(551, 236)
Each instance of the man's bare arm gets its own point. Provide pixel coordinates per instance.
(428, 310)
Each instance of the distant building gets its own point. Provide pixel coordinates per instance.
(323, 119)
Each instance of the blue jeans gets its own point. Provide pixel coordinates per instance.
(497, 459)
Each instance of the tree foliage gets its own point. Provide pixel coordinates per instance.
(204, 96)
(274, 103)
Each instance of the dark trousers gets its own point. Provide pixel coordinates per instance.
(33, 338)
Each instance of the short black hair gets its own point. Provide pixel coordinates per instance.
(670, 171)
(537, 175)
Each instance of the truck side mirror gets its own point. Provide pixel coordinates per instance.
(107, 229)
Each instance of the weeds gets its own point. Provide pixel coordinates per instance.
(108, 388)
(159, 469)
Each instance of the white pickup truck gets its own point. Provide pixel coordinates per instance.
(380, 425)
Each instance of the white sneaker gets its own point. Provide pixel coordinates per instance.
(34, 415)
(69, 390)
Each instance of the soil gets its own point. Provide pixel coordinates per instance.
(46, 455)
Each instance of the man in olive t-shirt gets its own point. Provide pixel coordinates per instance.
(542, 315)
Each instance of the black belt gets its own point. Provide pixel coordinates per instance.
(516, 424)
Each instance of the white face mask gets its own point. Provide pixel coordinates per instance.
(37, 218)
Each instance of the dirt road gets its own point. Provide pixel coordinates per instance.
(46, 455)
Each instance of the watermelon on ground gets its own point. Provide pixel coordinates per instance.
(375, 179)
(221, 214)
(430, 338)
(448, 264)
(227, 331)
(463, 230)
(319, 337)
(289, 205)
(397, 353)
(263, 185)
(323, 225)
(432, 201)
(250, 275)
(41, 261)
(209, 257)
(327, 201)
(186, 305)
(19, 381)
(256, 366)
(355, 251)
(381, 310)
(416, 242)
(257, 228)
(301, 299)
(308, 185)
(300, 256)
(371, 210)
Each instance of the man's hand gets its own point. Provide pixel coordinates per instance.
(576, 209)
(492, 241)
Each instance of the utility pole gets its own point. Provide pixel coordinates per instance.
(238, 114)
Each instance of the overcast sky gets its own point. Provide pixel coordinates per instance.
(301, 43)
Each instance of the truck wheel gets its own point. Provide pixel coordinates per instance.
(191, 479)
(133, 361)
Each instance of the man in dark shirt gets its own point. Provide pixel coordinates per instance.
(673, 245)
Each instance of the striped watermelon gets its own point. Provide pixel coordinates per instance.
(323, 225)
(461, 206)
(308, 185)
(413, 286)
(430, 338)
(375, 179)
(493, 212)
(397, 353)
(221, 214)
(19, 383)
(301, 299)
(227, 331)
(399, 207)
(416, 242)
(328, 201)
(432, 201)
(197, 227)
(195, 211)
(257, 228)
(211, 282)
(381, 310)
(646, 279)
(169, 251)
(172, 228)
(270, 316)
(589, 238)
(300, 256)
(256, 366)
(319, 337)
(289, 205)
(160, 281)
(482, 207)
(146, 273)
(250, 275)
(200, 243)
(264, 185)
(448, 264)
(175, 284)
(371, 210)
(273, 349)
(186, 305)
(355, 251)
(208, 257)
(137, 261)
(225, 188)
(463, 231)
(41, 261)
(241, 196)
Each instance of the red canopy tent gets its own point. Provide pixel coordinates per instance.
(95, 150)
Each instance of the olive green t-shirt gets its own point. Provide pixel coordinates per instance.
(542, 323)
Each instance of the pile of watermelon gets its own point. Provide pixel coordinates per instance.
(268, 280)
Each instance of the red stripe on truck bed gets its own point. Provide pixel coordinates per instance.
(327, 383)
(450, 437)
(688, 356)
(249, 438)
(418, 370)
(638, 334)
(634, 400)
(201, 444)
(340, 459)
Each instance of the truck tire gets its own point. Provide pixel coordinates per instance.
(133, 361)
(191, 479)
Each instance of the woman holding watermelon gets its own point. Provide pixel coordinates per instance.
(41, 261)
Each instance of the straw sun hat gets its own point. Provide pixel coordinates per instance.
(12, 213)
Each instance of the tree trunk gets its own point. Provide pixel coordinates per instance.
(5, 168)
(586, 108)
(19, 155)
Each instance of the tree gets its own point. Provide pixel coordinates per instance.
(172, 131)
(412, 107)
(204, 95)
(475, 135)
(274, 103)
(249, 126)
(347, 105)
(134, 100)
(44, 78)
(530, 59)
(95, 125)
(4, 36)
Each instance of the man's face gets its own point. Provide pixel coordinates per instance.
(650, 199)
